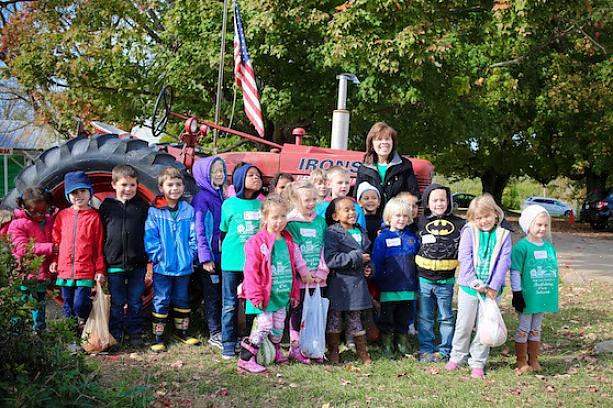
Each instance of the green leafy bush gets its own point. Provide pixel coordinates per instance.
(39, 370)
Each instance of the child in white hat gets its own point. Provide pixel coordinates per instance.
(534, 281)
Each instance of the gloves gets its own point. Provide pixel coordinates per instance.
(518, 302)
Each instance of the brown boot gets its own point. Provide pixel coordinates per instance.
(360, 349)
(533, 355)
(333, 340)
(521, 351)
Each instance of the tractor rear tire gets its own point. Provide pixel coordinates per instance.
(97, 155)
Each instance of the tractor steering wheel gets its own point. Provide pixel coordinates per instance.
(161, 111)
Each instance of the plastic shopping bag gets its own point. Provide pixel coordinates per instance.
(266, 353)
(96, 336)
(313, 324)
(492, 330)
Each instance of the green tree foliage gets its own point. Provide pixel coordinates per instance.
(488, 89)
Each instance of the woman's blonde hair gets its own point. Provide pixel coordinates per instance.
(395, 206)
(484, 203)
(292, 191)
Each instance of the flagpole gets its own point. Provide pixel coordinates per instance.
(220, 72)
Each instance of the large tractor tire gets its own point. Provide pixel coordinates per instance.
(97, 157)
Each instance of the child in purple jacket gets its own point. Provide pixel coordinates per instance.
(485, 258)
(210, 175)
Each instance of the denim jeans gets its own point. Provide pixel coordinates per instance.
(77, 301)
(431, 296)
(211, 296)
(126, 288)
(170, 289)
(229, 311)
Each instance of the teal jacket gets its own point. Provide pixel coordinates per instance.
(170, 241)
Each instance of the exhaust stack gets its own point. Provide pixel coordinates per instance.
(340, 117)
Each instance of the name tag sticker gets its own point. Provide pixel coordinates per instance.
(540, 254)
(251, 215)
(428, 239)
(390, 242)
(308, 232)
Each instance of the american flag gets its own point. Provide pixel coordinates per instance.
(244, 76)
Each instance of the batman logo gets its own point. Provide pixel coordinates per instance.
(440, 227)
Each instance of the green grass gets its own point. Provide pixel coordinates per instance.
(572, 375)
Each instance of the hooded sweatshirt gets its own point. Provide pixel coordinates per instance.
(207, 203)
(240, 220)
(23, 230)
(308, 234)
(440, 238)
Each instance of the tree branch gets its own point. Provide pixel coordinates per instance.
(589, 37)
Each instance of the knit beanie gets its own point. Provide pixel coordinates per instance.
(364, 187)
(76, 180)
(528, 215)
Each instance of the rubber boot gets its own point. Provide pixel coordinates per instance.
(280, 358)
(333, 340)
(296, 355)
(158, 345)
(402, 342)
(360, 349)
(521, 352)
(387, 341)
(182, 328)
(246, 360)
(533, 355)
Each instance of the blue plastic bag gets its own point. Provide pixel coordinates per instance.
(313, 324)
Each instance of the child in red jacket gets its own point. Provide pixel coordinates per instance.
(31, 233)
(271, 262)
(79, 234)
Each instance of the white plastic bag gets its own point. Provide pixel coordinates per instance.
(96, 336)
(492, 330)
(313, 324)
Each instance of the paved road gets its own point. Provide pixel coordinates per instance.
(581, 259)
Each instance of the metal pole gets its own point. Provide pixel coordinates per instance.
(220, 72)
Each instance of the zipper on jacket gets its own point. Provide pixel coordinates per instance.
(74, 241)
(123, 234)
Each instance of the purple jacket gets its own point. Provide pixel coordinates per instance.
(207, 204)
(501, 259)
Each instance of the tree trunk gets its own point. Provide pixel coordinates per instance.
(595, 183)
(494, 184)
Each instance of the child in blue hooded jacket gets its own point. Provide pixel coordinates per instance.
(210, 175)
(240, 220)
(395, 272)
(170, 242)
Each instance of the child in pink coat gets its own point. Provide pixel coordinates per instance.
(270, 284)
(32, 228)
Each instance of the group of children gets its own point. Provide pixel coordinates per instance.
(270, 249)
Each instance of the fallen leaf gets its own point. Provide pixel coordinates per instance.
(352, 368)
(540, 377)
(572, 370)
(326, 405)
(401, 375)
(516, 391)
(592, 388)
(135, 357)
(345, 382)
(550, 388)
(433, 370)
(293, 385)
(222, 392)
(505, 352)
(177, 364)
(281, 381)
(279, 375)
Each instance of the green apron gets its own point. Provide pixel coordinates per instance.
(539, 279)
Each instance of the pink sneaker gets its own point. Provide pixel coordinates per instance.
(249, 366)
(279, 357)
(318, 360)
(451, 366)
(296, 355)
(477, 373)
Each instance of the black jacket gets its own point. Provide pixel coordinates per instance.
(124, 229)
(440, 239)
(398, 178)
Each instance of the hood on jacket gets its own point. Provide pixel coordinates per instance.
(238, 179)
(202, 173)
(426, 196)
(161, 203)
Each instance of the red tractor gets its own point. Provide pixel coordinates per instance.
(97, 155)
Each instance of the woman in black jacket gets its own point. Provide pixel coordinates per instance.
(383, 167)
